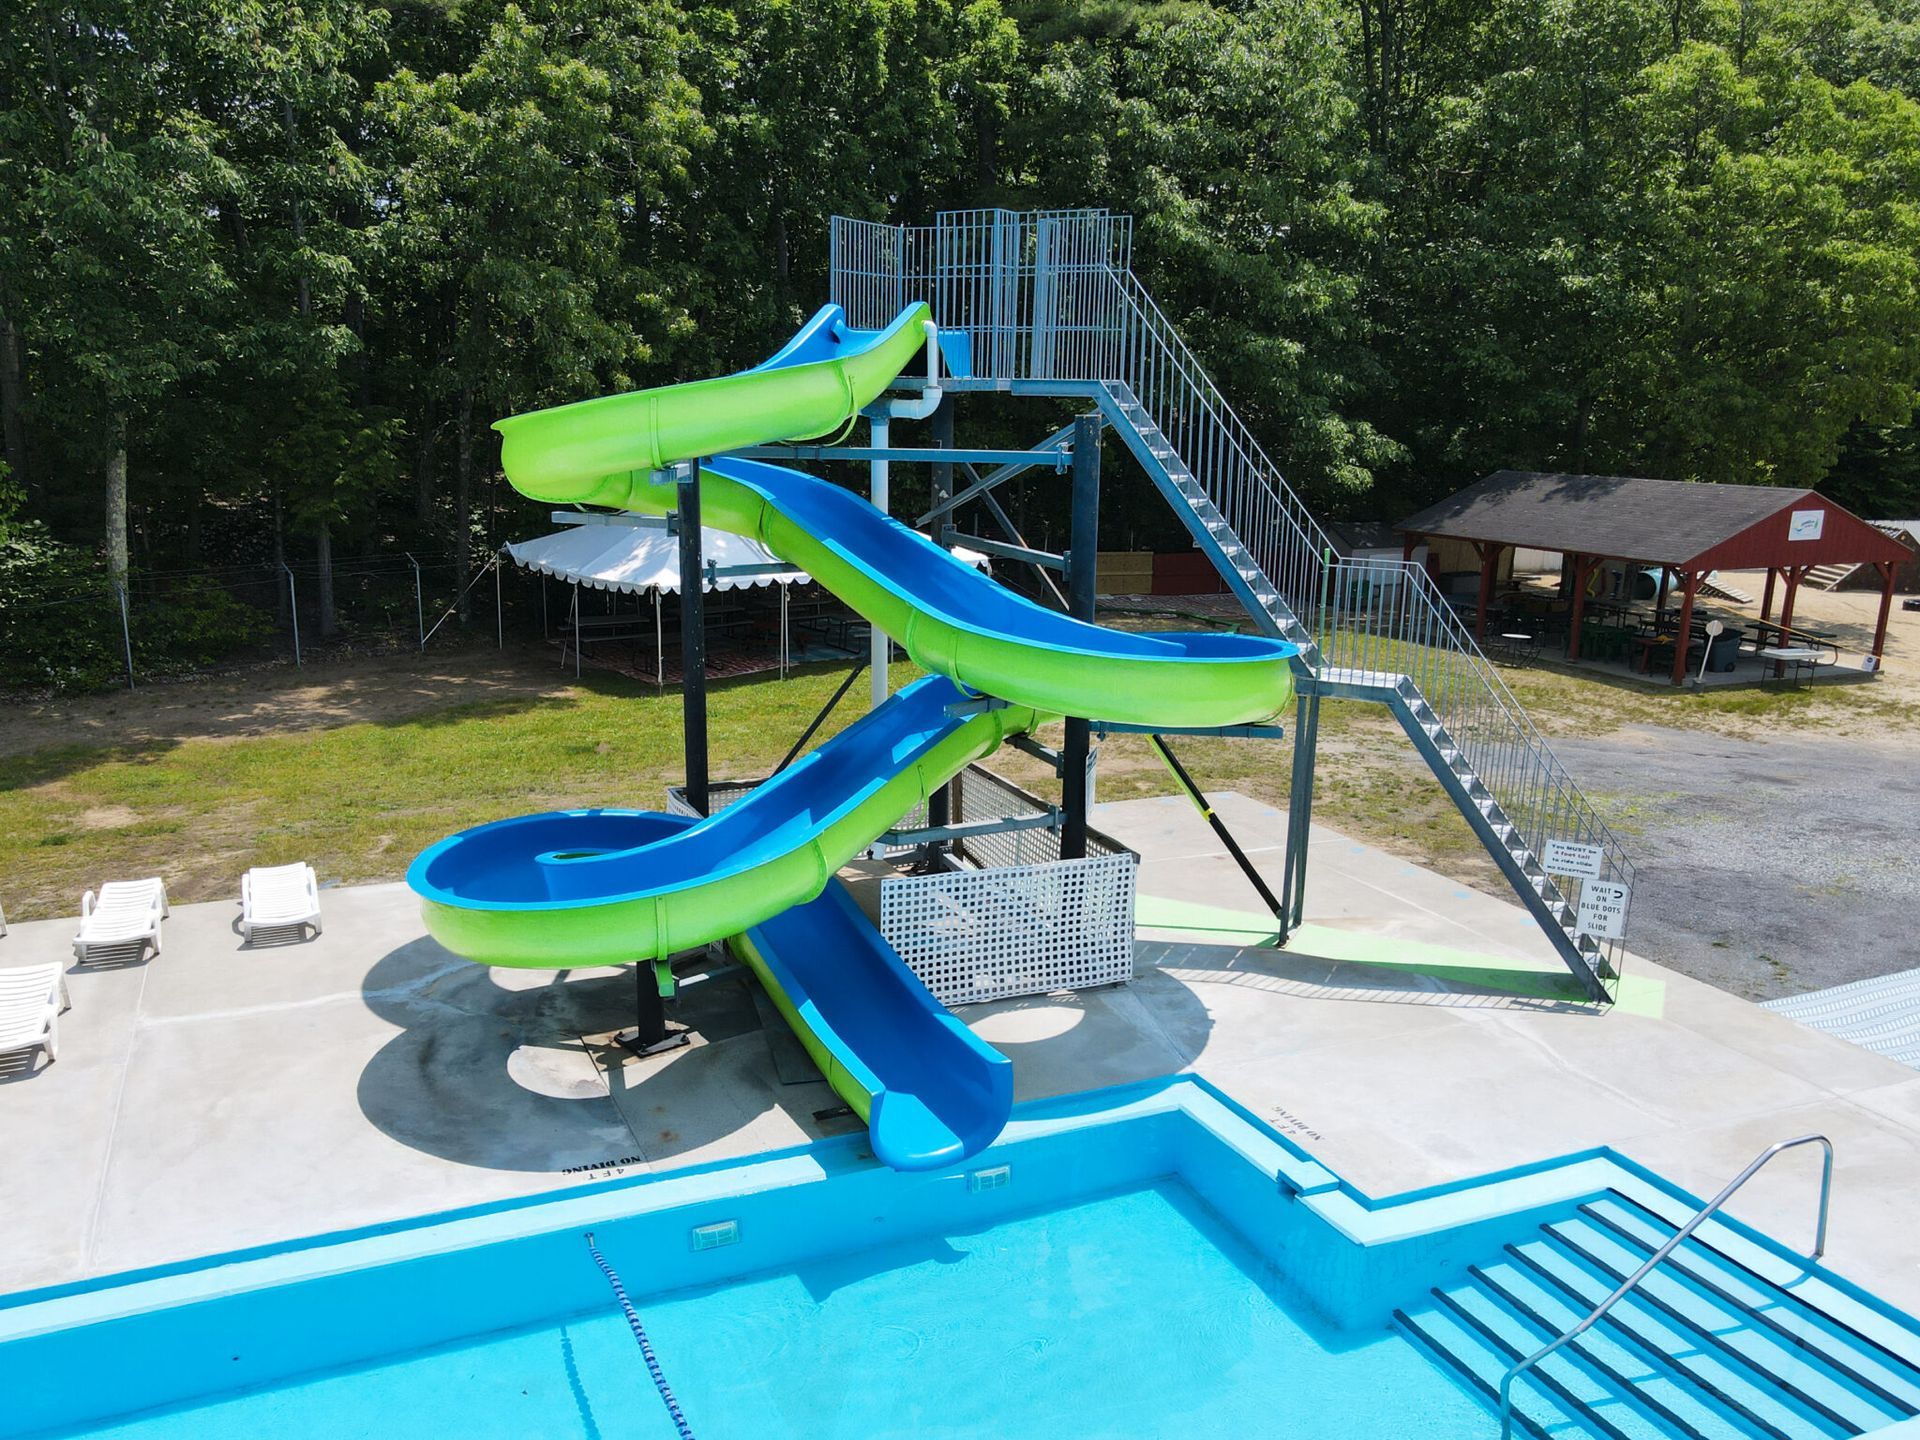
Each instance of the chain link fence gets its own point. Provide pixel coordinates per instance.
(92, 632)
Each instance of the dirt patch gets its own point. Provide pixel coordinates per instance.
(108, 817)
(277, 700)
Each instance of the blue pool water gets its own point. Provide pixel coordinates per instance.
(1137, 1314)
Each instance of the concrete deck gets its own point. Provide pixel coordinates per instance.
(218, 1097)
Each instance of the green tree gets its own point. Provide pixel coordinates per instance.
(122, 278)
(520, 196)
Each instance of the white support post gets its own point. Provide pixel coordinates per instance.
(882, 647)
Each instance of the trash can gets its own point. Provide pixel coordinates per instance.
(1722, 651)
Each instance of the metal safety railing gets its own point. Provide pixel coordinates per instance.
(1379, 620)
(1699, 1218)
(1051, 296)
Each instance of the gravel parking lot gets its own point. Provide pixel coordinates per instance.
(1770, 866)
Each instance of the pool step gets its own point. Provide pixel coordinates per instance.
(1703, 1348)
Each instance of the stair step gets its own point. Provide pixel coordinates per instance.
(1542, 1407)
(1628, 1367)
(1714, 1323)
(1768, 1409)
(1577, 1386)
(1866, 1364)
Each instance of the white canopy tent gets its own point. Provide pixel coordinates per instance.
(639, 560)
(645, 560)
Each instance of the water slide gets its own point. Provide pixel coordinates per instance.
(595, 887)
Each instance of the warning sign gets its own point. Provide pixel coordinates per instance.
(1603, 909)
(1572, 857)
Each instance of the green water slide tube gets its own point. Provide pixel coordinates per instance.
(948, 617)
(599, 452)
(604, 887)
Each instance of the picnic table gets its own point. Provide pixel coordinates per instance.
(1797, 660)
(1652, 642)
(1772, 632)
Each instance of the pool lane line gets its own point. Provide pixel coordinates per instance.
(640, 1334)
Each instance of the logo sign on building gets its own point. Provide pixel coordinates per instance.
(1603, 909)
(1806, 524)
(1572, 857)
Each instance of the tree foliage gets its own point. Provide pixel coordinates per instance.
(268, 272)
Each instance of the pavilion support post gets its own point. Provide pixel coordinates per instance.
(1793, 574)
(1888, 571)
(693, 641)
(1489, 562)
(1766, 596)
(1407, 547)
(1690, 586)
(1582, 573)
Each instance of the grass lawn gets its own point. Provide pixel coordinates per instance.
(359, 797)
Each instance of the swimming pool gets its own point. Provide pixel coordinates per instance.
(1143, 1262)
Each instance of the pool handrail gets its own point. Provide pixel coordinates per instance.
(1699, 1218)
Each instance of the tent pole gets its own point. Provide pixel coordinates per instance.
(783, 630)
(659, 645)
(576, 629)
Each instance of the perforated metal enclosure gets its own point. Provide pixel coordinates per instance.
(1002, 914)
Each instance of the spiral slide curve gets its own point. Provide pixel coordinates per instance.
(596, 887)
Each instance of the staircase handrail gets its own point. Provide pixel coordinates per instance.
(1421, 585)
(1699, 1218)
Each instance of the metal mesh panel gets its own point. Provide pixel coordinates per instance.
(973, 935)
(1012, 917)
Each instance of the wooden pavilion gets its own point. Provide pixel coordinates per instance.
(1687, 530)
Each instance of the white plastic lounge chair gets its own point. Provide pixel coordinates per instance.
(122, 920)
(31, 999)
(279, 897)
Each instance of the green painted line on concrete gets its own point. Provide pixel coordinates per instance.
(1639, 995)
(1229, 927)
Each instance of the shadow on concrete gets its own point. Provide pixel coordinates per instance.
(19, 1065)
(1295, 971)
(482, 1074)
(1072, 1040)
(728, 1082)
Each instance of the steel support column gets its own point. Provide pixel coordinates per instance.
(940, 803)
(693, 640)
(1082, 563)
(1306, 732)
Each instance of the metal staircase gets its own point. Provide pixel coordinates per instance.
(1051, 306)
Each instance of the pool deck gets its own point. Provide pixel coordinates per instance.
(218, 1097)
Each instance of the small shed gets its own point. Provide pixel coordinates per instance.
(1686, 529)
